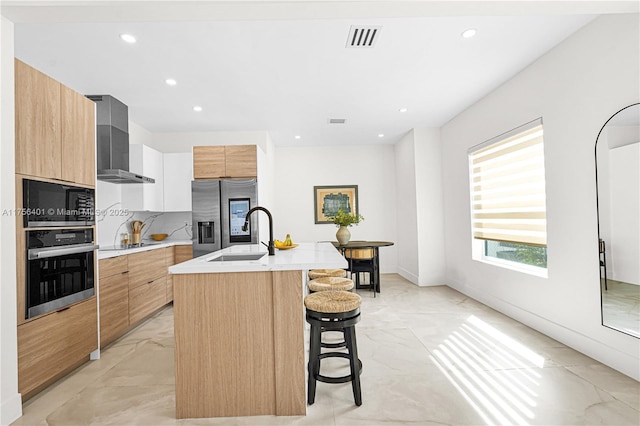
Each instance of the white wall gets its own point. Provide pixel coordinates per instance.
(575, 88)
(10, 400)
(429, 204)
(371, 167)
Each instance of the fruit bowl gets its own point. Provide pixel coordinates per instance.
(287, 247)
(159, 237)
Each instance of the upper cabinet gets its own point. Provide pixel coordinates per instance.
(145, 161)
(230, 161)
(55, 129)
(78, 137)
(178, 173)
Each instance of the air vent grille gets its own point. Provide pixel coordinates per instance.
(337, 120)
(360, 36)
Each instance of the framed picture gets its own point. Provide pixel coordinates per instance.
(329, 199)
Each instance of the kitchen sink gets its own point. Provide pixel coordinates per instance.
(237, 257)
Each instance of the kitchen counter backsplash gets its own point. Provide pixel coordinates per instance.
(114, 222)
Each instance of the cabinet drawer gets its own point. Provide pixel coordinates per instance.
(54, 343)
(114, 307)
(146, 266)
(112, 266)
(146, 298)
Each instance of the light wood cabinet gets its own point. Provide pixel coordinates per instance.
(78, 137)
(114, 299)
(55, 129)
(183, 253)
(147, 283)
(229, 161)
(170, 257)
(146, 298)
(146, 266)
(37, 114)
(53, 344)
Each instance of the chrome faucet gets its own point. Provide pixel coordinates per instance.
(270, 246)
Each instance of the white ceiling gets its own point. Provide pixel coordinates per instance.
(290, 73)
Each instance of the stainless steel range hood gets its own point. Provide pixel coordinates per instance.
(113, 141)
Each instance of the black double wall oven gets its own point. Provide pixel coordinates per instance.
(60, 245)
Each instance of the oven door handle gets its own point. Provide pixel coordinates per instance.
(43, 253)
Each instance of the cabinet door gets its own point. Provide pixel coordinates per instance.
(37, 126)
(178, 174)
(183, 253)
(147, 298)
(209, 162)
(146, 266)
(52, 344)
(78, 137)
(147, 162)
(170, 258)
(240, 161)
(114, 307)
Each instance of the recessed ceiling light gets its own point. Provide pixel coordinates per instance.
(171, 82)
(296, 137)
(197, 108)
(471, 32)
(128, 38)
(380, 135)
(402, 110)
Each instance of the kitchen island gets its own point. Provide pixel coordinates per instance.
(239, 330)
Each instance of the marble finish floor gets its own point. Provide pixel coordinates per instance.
(430, 356)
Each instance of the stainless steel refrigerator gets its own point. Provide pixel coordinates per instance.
(219, 208)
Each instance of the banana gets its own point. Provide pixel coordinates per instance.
(278, 243)
(287, 240)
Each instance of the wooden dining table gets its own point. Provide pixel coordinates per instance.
(375, 245)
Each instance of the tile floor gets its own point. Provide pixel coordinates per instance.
(431, 356)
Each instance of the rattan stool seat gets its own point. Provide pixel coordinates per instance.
(319, 273)
(331, 302)
(330, 283)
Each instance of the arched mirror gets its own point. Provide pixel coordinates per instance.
(618, 192)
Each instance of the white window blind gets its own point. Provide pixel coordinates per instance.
(508, 187)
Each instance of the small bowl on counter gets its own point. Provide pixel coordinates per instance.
(159, 237)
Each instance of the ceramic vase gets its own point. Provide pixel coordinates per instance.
(343, 235)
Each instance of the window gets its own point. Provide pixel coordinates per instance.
(508, 199)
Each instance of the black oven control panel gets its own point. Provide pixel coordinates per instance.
(58, 237)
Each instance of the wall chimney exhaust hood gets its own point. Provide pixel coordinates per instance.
(113, 141)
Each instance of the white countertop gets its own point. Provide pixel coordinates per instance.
(107, 252)
(304, 257)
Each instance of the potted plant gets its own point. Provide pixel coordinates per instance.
(343, 221)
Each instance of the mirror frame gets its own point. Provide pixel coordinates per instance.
(637, 104)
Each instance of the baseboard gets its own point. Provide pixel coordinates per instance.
(11, 409)
(408, 275)
(608, 355)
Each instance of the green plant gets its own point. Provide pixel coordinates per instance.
(346, 219)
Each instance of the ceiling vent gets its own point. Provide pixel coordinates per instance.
(337, 120)
(363, 36)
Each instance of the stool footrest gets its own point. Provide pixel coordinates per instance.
(343, 379)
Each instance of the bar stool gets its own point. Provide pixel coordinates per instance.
(330, 283)
(333, 311)
(319, 273)
(363, 260)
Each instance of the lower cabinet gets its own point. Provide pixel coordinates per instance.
(54, 344)
(114, 299)
(146, 299)
(170, 258)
